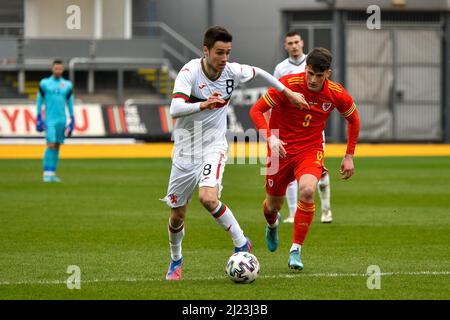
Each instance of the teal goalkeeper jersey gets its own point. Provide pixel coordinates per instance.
(55, 93)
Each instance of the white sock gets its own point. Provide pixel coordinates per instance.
(292, 197)
(296, 246)
(274, 225)
(49, 173)
(324, 192)
(176, 236)
(226, 219)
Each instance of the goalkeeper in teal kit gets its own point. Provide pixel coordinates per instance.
(55, 92)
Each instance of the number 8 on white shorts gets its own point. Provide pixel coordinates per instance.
(185, 177)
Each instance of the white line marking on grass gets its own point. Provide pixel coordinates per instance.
(281, 276)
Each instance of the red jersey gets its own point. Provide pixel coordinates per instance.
(302, 129)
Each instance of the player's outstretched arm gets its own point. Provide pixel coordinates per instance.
(180, 108)
(294, 97)
(347, 167)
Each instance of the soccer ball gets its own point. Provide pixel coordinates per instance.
(242, 267)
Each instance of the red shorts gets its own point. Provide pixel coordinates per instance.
(292, 168)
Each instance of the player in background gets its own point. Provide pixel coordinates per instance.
(201, 95)
(297, 142)
(295, 63)
(56, 93)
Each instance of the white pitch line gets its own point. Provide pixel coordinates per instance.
(285, 276)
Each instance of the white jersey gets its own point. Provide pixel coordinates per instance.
(289, 66)
(205, 131)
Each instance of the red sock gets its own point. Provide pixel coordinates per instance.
(303, 218)
(271, 217)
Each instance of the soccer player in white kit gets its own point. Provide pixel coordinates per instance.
(295, 63)
(200, 99)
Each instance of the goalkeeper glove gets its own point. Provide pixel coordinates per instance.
(71, 126)
(40, 126)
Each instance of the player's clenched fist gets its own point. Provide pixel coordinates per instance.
(40, 126)
(296, 98)
(277, 146)
(212, 101)
(347, 167)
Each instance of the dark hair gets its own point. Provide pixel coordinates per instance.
(214, 34)
(292, 33)
(319, 59)
(57, 61)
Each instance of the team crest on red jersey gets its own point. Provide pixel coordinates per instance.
(326, 106)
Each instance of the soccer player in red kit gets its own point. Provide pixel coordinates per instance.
(295, 143)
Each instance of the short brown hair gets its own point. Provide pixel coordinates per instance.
(292, 33)
(214, 34)
(319, 59)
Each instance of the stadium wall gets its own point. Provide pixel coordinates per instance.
(446, 78)
(258, 25)
(146, 122)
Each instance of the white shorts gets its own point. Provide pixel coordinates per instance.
(184, 178)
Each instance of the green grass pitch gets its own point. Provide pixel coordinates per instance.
(106, 218)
